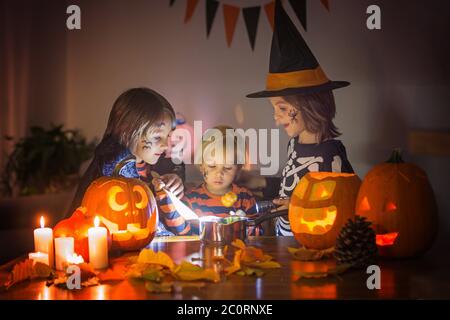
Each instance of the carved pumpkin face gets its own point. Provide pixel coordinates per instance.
(399, 201)
(128, 209)
(321, 204)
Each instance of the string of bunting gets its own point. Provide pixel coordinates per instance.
(251, 15)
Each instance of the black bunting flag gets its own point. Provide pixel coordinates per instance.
(299, 7)
(251, 17)
(211, 9)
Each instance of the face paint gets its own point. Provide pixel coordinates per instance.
(293, 115)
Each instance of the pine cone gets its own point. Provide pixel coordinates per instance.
(356, 243)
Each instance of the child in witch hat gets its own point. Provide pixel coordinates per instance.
(303, 102)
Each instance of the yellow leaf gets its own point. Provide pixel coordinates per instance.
(264, 264)
(323, 274)
(238, 243)
(191, 272)
(304, 254)
(252, 254)
(151, 257)
(236, 265)
(137, 270)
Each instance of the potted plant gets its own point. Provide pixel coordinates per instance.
(40, 176)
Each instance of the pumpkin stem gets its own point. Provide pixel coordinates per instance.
(396, 156)
(122, 164)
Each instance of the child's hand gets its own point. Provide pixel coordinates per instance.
(283, 204)
(174, 184)
(158, 184)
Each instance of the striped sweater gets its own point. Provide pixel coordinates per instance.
(204, 203)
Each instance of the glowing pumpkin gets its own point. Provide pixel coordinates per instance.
(76, 226)
(128, 209)
(320, 205)
(399, 200)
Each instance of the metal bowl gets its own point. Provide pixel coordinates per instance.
(216, 230)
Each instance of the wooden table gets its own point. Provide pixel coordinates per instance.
(424, 278)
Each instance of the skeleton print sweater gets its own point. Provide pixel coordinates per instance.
(329, 155)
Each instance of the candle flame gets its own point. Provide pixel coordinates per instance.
(42, 221)
(96, 221)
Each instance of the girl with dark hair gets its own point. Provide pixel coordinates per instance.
(138, 128)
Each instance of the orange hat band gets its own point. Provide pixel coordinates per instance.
(296, 79)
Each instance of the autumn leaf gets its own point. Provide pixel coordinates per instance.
(187, 271)
(153, 274)
(151, 257)
(245, 271)
(164, 287)
(111, 275)
(304, 254)
(236, 265)
(137, 270)
(251, 254)
(323, 274)
(264, 264)
(27, 270)
(42, 270)
(238, 243)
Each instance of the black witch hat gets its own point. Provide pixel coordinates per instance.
(293, 68)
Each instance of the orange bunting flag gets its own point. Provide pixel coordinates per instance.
(270, 13)
(230, 14)
(325, 4)
(190, 8)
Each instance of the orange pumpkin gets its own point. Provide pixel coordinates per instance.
(397, 197)
(320, 205)
(128, 209)
(76, 226)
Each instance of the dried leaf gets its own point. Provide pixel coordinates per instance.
(164, 287)
(153, 274)
(42, 270)
(27, 270)
(252, 272)
(264, 264)
(323, 274)
(191, 272)
(151, 257)
(111, 275)
(251, 254)
(238, 243)
(236, 265)
(304, 254)
(94, 281)
(139, 269)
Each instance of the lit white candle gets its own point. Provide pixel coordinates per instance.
(64, 248)
(98, 246)
(43, 241)
(39, 257)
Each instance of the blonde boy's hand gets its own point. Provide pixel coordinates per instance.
(158, 184)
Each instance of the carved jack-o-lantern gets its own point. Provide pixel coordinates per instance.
(128, 209)
(320, 205)
(399, 200)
